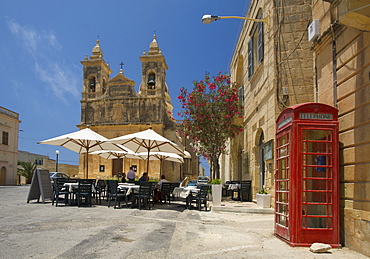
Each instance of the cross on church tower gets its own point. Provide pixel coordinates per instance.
(121, 70)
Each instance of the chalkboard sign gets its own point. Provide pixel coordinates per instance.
(40, 186)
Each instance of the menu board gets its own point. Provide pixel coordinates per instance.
(40, 186)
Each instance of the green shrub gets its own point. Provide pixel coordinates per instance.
(216, 181)
(263, 191)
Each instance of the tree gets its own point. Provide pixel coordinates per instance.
(208, 116)
(26, 170)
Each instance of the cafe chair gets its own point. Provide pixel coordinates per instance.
(115, 193)
(165, 193)
(173, 186)
(245, 187)
(225, 189)
(84, 190)
(200, 197)
(59, 189)
(145, 194)
(100, 190)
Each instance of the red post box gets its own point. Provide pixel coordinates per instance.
(307, 175)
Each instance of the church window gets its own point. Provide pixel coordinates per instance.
(92, 84)
(151, 81)
(255, 47)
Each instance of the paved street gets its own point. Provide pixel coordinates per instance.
(37, 230)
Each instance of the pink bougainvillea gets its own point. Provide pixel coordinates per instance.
(209, 113)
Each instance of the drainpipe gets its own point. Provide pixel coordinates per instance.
(335, 73)
(334, 69)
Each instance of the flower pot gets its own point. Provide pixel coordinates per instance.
(216, 194)
(263, 200)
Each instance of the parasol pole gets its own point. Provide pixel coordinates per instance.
(161, 165)
(87, 166)
(87, 163)
(147, 162)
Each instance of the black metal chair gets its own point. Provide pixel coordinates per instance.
(225, 189)
(84, 190)
(165, 193)
(113, 192)
(100, 190)
(199, 197)
(173, 186)
(59, 189)
(145, 195)
(245, 187)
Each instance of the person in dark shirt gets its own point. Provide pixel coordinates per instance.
(123, 178)
(144, 178)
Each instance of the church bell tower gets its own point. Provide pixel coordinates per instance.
(96, 74)
(153, 71)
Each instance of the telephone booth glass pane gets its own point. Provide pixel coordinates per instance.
(282, 182)
(317, 181)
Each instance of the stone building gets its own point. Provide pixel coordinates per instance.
(112, 108)
(309, 51)
(45, 162)
(272, 67)
(341, 44)
(9, 128)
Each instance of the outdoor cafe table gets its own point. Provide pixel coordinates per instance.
(234, 186)
(72, 186)
(129, 187)
(184, 192)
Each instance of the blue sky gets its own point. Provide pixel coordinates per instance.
(42, 44)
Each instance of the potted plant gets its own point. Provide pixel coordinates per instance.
(263, 199)
(216, 192)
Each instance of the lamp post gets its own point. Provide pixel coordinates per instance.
(207, 18)
(56, 164)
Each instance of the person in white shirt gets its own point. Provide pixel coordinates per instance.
(163, 180)
(131, 174)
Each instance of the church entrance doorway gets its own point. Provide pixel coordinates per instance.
(117, 167)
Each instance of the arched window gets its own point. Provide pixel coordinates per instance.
(151, 81)
(104, 86)
(92, 84)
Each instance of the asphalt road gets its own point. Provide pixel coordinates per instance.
(37, 230)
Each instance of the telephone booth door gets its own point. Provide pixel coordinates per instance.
(307, 175)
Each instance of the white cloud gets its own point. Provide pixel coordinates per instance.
(32, 39)
(59, 78)
(49, 67)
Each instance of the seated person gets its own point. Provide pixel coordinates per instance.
(159, 184)
(158, 188)
(123, 178)
(144, 178)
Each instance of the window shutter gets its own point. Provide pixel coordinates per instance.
(250, 58)
(241, 94)
(260, 42)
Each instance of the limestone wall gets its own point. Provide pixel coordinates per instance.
(283, 78)
(352, 93)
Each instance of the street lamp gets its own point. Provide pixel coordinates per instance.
(56, 164)
(207, 18)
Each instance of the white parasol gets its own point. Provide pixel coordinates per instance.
(148, 141)
(82, 141)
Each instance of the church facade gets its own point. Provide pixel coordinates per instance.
(111, 107)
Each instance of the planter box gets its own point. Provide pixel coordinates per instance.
(216, 194)
(263, 200)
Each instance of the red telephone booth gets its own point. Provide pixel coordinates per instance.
(307, 175)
